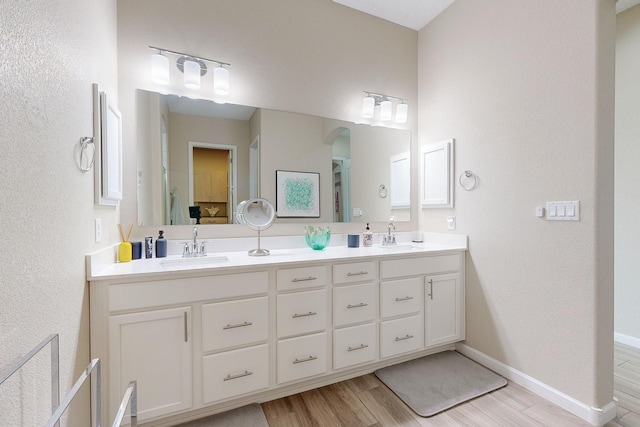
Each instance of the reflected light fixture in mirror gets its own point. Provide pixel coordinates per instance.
(192, 66)
(371, 100)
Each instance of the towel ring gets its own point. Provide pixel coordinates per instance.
(382, 191)
(85, 141)
(468, 180)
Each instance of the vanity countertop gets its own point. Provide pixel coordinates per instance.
(97, 270)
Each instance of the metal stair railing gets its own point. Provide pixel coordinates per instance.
(93, 371)
(54, 339)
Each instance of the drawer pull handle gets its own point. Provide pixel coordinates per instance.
(304, 279)
(360, 347)
(239, 325)
(359, 273)
(362, 304)
(406, 337)
(233, 377)
(407, 298)
(311, 313)
(430, 288)
(308, 359)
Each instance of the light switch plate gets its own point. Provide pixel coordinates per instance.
(98, 230)
(563, 211)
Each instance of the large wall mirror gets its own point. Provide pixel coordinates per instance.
(199, 153)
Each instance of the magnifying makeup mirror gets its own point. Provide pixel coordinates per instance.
(258, 214)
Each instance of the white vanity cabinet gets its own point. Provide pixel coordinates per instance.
(203, 341)
(301, 322)
(444, 309)
(154, 347)
(354, 313)
(428, 293)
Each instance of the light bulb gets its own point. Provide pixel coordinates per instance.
(191, 74)
(402, 111)
(385, 110)
(221, 81)
(160, 69)
(368, 104)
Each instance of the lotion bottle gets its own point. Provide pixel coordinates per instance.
(367, 237)
(161, 246)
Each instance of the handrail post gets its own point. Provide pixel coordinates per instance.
(55, 375)
(96, 398)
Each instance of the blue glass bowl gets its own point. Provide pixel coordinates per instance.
(317, 237)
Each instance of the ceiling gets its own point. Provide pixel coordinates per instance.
(413, 14)
(416, 14)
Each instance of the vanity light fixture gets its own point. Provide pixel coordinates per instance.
(402, 111)
(372, 99)
(160, 68)
(193, 67)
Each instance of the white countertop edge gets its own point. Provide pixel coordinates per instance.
(102, 265)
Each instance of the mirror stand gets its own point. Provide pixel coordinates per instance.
(259, 251)
(258, 214)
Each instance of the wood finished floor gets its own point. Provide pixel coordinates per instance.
(366, 401)
(626, 384)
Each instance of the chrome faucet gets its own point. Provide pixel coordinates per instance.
(194, 250)
(390, 239)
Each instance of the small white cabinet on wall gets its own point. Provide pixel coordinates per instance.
(201, 342)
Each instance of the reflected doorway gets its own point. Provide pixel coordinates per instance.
(341, 177)
(212, 175)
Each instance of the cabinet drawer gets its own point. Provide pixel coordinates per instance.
(399, 297)
(354, 272)
(417, 266)
(235, 372)
(302, 312)
(354, 345)
(400, 336)
(353, 304)
(301, 278)
(302, 357)
(177, 291)
(234, 323)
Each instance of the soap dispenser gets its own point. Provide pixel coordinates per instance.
(367, 237)
(161, 246)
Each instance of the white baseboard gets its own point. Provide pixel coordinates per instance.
(594, 416)
(626, 339)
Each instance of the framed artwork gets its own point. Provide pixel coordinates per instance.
(297, 194)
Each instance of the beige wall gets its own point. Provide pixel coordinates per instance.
(627, 202)
(51, 54)
(315, 59)
(530, 104)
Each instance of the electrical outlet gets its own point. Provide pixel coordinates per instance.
(98, 230)
(451, 222)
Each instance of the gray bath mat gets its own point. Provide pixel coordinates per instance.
(439, 381)
(246, 416)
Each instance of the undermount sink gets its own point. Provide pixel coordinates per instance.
(194, 260)
(401, 247)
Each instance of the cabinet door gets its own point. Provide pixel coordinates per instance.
(444, 309)
(154, 348)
